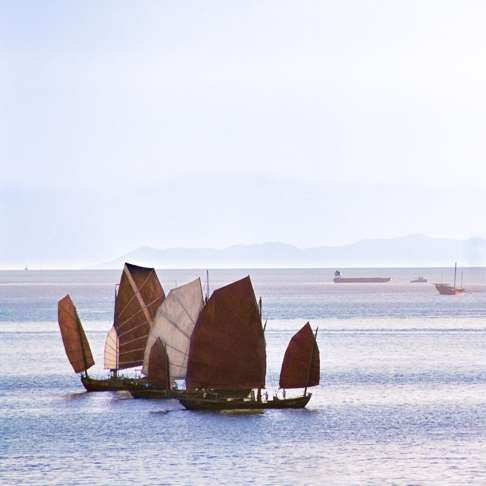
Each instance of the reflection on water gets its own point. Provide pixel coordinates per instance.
(402, 397)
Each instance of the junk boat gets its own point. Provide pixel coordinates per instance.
(339, 279)
(138, 297)
(446, 289)
(227, 356)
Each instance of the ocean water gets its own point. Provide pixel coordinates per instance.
(402, 398)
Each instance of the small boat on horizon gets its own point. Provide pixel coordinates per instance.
(419, 279)
(446, 289)
(339, 279)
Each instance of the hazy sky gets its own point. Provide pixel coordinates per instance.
(211, 123)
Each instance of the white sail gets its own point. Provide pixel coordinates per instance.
(173, 324)
(111, 350)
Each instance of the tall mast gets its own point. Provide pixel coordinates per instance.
(115, 372)
(82, 347)
(259, 394)
(207, 285)
(310, 362)
(455, 273)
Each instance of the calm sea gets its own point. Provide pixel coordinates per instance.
(402, 398)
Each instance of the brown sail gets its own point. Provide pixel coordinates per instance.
(139, 296)
(301, 366)
(227, 349)
(158, 367)
(73, 336)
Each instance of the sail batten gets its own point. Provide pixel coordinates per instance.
(139, 296)
(173, 324)
(301, 364)
(73, 336)
(227, 349)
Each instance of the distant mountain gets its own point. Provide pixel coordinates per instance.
(413, 250)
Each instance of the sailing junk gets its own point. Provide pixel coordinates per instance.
(73, 336)
(227, 348)
(138, 298)
(227, 352)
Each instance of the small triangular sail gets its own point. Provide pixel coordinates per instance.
(301, 364)
(73, 336)
(227, 348)
(173, 324)
(111, 350)
(158, 366)
(139, 296)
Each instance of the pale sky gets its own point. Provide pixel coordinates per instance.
(214, 123)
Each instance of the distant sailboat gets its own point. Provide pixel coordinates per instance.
(227, 357)
(446, 289)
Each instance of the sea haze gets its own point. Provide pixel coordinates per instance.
(412, 250)
(402, 397)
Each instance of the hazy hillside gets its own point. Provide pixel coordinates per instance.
(414, 250)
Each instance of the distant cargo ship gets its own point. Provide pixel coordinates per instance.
(338, 279)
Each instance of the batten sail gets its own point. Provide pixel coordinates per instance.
(73, 336)
(139, 296)
(173, 324)
(158, 366)
(111, 350)
(301, 364)
(227, 348)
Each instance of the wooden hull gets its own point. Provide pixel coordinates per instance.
(154, 393)
(112, 384)
(238, 404)
(445, 289)
(361, 279)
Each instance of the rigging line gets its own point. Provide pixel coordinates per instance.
(130, 352)
(127, 343)
(170, 346)
(174, 325)
(141, 310)
(143, 324)
(179, 301)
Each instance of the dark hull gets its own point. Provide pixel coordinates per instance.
(153, 393)
(156, 394)
(224, 404)
(112, 384)
(361, 279)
